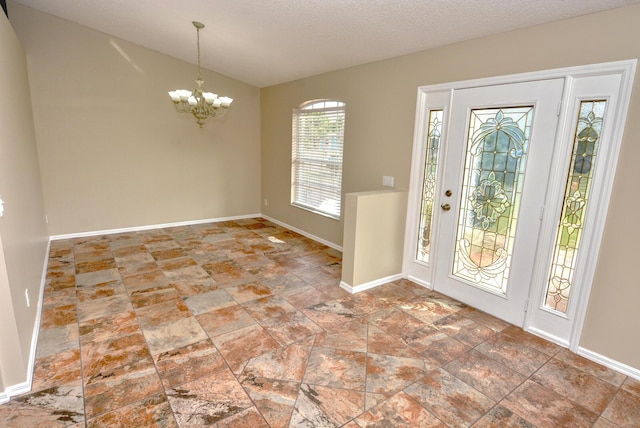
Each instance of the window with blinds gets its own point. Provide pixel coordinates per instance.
(316, 165)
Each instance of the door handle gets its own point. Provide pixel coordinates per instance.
(445, 207)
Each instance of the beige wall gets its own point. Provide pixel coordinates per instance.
(381, 99)
(114, 153)
(23, 232)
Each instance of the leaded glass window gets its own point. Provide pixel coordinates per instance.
(577, 190)
(497, 146)
(434, 132)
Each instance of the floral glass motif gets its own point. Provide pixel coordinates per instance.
(578, 187)
(495, 162)
(429, 185)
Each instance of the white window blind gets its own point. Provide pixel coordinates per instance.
(316, 167)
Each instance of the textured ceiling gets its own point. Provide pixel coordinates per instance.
(265, 42)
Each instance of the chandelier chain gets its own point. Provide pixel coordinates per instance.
(198, 44)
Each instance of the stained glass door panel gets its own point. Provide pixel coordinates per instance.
(577, 196)
(432, 152)
(495, 172)
(495, 163)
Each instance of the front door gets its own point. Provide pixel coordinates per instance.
(510, 189)
(496, 165)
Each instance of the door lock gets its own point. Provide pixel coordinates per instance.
(445, 207)
(448, 193)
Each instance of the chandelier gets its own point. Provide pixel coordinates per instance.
(199, 103)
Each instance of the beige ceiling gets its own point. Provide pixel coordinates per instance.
(265, 42)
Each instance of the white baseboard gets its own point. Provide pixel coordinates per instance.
(419, 281)
(24, 387)
(368, 285)
(302, 232)
(551, 338)
(13, 390)
(191, 223)
(152, 226)
(610, 363)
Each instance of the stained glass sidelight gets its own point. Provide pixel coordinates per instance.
(429, 184)
(585, 148)
(497, 146)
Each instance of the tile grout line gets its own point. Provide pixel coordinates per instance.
(135, 313)
(77, 301)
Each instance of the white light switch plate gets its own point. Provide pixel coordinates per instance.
(387, 181)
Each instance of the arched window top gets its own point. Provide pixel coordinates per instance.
(321, 105)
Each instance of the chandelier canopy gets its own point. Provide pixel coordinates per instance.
(199, 103)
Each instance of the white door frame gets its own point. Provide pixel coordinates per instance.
(440, 97)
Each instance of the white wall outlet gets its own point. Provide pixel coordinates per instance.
(1, 207)
(26, 295)
(388, 181)
(266, 202)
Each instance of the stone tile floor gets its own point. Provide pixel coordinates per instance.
(243, 324)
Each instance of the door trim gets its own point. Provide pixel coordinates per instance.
(599, 203)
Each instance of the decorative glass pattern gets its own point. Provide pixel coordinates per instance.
(585, 148)
(429, 185)
(495, 162)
